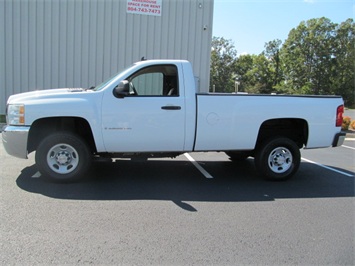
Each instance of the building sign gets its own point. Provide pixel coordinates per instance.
(144, 7)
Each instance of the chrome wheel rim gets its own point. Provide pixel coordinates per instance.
(280, 160)
(62, 159)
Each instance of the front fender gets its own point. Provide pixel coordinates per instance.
(86, 106)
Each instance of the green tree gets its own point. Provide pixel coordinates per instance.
(307, 56)
(272, 53)
(318, 57)
(244, 65)
(223, 62)
(260, 75)
(255, 73)
(343, 78)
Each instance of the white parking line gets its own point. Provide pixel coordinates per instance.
(36, 175)
(198, 166)
(348, 147)
(327, 167)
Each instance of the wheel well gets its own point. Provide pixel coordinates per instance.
(45, 126)
(292, 128)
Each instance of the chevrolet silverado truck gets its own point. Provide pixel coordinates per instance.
(153, 109)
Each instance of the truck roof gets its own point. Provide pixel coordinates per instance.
(161, 61)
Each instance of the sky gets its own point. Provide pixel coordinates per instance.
(252, 23)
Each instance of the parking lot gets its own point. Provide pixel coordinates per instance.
(196, 209)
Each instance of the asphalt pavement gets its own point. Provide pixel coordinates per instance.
(169, 212)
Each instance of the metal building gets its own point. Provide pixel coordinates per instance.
(78, 43)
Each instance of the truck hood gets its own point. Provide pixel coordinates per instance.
(26, 97)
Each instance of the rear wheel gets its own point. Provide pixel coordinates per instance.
(278, 158)
(63, 157)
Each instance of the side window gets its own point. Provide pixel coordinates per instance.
(149, 84)
(160, 80)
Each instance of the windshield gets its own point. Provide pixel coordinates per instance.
(111, 79)
(103, 84)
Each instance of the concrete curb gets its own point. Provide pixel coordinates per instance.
(350, 134)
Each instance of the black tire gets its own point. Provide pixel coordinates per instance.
(238, 156)
(63, 157)
(278, 159)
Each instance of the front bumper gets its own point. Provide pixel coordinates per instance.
(339, 139)
(14, 139)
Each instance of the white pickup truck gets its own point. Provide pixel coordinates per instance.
(152, 109)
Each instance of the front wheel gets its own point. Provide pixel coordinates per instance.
(63, 157)
(278, 159)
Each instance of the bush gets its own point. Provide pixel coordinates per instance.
(346, 123)
(2, 119)
(352, 125)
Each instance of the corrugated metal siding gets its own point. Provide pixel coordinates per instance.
(67, 43)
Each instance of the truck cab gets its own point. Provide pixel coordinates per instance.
(151, 110)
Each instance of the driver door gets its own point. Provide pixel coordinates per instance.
(151, 118)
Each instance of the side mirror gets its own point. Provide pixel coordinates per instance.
(122, 89)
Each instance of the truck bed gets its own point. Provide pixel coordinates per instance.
(233, 121)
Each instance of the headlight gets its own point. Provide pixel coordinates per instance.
(16, 114)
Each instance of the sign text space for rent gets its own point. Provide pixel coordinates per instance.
(144, 7)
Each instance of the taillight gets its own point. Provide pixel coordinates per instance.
(339, 120)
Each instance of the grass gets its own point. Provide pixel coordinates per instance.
(2, 119)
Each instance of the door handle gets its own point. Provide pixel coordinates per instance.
(171, 107)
